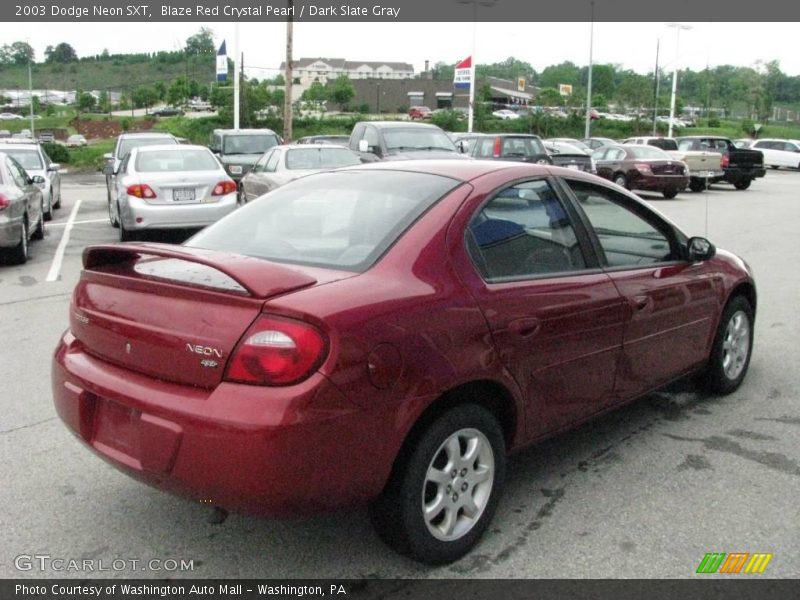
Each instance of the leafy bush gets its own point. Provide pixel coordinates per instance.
(363, 109)
(56, 152)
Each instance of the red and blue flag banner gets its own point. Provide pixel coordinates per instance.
(222, 63)
(462, 76)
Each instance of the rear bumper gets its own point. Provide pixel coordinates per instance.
(707, 174)
(10, 232)
(659, 183)
(245, 448)
(137, 214)
(739, 174)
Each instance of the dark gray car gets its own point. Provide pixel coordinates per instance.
(21, 210)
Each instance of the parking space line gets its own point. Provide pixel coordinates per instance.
(55, 267)
(77, 222)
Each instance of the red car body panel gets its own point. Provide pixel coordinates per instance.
(417, 324)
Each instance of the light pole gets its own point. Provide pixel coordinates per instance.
(472, 82)
(588, 128)
(678, 28)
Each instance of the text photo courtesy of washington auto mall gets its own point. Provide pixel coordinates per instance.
(399, 299)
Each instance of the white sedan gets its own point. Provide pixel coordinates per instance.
(779, 153)
(169, 187)
(505, 114)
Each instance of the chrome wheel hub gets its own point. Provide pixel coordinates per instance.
(458, 484)
(736, 345)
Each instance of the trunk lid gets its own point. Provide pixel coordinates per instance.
(666, 168)
(173, 313)
(746, 159)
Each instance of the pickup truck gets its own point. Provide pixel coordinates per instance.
(740, 165)
(705, 166)
(400, 140)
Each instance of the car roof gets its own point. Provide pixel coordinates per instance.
(244, 131)
(19, 142)
(144, 134)
(462, 170)
(176, 147)
(403, 125)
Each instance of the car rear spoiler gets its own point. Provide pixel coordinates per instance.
(259, 278)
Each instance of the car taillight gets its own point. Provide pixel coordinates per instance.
(224, 187)
(277, 351)
(497, 147)
(726, 161)
(642, 167)
(141, 190)
(4, 202)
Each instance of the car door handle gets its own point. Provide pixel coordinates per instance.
(525, 327)
(641, 302)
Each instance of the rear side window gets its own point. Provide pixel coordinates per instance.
(523, 232)
(342, 220)
(664, 144)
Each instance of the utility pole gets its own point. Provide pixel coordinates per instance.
(236, 77)
(243, 96)
(287, 99)
(587, 130)
(655, 88)
(678, 28)
(30, 97)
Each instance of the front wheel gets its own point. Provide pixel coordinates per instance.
(621, 181)
(38, 232)
(125, 235)
(19, 253)
(742, 184)
(733, 344)
(442, 497)
(48, 214)
(697, 185)
(670, 193)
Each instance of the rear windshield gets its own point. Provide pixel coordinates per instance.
(127, 144)
(248, 144)
(522, 146)
(160, 161)
(320, 158)
(342, 220)
(663, 143)
(648, 152)
(29, 159)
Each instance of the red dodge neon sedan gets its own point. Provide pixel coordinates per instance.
(387, 334)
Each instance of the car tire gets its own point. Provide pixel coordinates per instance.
(48, 214)
(621, 180)
(670, 193)
(38, 233)
(125, 235)
(112, 218)
(697, 185)
(775, 167)
(424, 476)
(742, 184)
(732, 348)
(19, 253)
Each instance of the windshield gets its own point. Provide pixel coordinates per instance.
(249, 144)
(320, 158)
(344, 219)
(664, 143)
(29, 159)
(648, 152)
(417, 139)
(126, 145)
(160, 161)
(522, 147)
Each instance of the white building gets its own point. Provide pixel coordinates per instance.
(309, 70)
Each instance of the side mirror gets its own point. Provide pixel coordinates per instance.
(462, 146)
(700, 249)
(36, 179)
(363, 146)
(108, 156)
(54, 167)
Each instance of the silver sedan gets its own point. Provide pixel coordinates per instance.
(170, 187)
(282, 164)
(21, 210)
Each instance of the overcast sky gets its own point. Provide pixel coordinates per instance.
(633, 45)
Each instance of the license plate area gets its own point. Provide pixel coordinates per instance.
(117, 427)
(183, 195)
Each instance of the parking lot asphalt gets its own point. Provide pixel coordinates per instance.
(644, 492)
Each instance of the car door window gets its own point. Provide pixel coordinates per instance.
(523, 232)
(371, 135)
(272, 162)
(484, 148)
(18, 174)
(123, 166)
(615, 154)
(261, 165)
(627, 237)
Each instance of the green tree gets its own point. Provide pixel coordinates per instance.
(62, 53)
(144, 97)
(21, 53)
(201, 43)
(566, 72)
(315, 93)
(161, 90)
(86, 101)
(104, 102)
(341, 91)
(549, 97)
